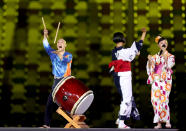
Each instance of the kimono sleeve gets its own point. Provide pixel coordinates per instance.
(171, 61)
(128, 54)
(150, 70)
(133, 51)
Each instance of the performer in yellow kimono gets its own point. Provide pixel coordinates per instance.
(160, 77)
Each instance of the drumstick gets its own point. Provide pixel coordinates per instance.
(44, 23)
(56, 32)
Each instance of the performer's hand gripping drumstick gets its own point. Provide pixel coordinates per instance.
(45, 33)
(57, 32)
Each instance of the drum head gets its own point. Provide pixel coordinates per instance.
(83, 103)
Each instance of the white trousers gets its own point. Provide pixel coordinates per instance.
(126, 89)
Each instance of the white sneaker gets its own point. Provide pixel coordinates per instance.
(168, 125)
(117, 121)
(123, 126)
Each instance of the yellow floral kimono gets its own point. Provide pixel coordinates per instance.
(160, 77)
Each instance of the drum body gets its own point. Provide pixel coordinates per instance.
(72, 95)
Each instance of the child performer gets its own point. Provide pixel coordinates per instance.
(61, 67)
(121, 64)
(160, 77)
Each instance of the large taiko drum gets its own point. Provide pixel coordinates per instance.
(72, 95)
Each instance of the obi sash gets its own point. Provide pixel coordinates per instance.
(120, 65)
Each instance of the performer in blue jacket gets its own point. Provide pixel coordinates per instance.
(61, 67)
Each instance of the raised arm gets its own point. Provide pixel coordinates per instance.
(139, 44)
(143, 34)
(45, 34)
(136, 46)
(46, 44)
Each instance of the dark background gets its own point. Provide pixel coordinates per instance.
(88, 26)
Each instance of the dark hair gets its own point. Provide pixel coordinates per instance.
(118, 37)
(161, 39)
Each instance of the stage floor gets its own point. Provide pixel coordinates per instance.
(89, 129)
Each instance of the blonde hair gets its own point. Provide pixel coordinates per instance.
(62, 40)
